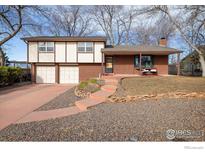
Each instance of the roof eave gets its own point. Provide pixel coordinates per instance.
(138, 52)
(61, 39)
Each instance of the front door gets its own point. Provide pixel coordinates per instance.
(108, 64)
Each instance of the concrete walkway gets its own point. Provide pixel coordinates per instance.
(80, 106)
(15, 104)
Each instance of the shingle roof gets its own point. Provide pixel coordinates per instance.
(146, 49)
(65, 38)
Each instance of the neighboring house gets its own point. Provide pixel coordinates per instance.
(190, 65)
(74, 59)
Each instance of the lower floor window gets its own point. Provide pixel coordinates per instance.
(146, 61)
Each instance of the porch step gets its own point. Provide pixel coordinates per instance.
(111, 82)
(109, 88)
(101, 94)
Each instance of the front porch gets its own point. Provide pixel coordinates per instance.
(136, 65)
(134, 62)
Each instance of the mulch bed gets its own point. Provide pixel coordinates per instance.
(66, 99)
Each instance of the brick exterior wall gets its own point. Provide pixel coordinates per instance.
(33, 72)
(125, 64)
(87, 71)
(161, 63)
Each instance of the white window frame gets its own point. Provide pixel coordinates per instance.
(85, 46)
(46, 46)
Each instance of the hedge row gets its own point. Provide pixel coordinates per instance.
(10, 75)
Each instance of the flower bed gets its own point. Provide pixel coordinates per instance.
(85, 88)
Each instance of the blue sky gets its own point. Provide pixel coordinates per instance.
(16, 49)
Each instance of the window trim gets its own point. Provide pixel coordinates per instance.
(46, 47)
(85, 47)
(138, 61)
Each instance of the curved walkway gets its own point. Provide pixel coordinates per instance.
(80, 106)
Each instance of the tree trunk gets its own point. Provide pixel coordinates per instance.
(201, 58)
(202, 61)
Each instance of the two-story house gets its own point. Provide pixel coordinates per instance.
(74, 59)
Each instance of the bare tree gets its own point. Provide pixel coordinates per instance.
(69, 21)
(146, 32)
(10, 21)
(191, 14)
(107, 17)
(127, 16)
(14, 18)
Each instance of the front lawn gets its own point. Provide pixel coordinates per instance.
(156, 85)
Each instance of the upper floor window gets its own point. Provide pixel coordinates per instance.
(85, 46)
(46, 46)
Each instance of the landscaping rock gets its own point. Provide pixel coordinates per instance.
(66, 99)
(85, 88)
(125, 99)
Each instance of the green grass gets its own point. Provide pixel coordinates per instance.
(94, 81)
(83, 84)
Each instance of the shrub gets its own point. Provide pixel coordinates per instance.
(82, 85)
(10, 75)
(92, 81)
(88, 86)
(4, 73)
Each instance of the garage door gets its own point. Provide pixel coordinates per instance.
(45, 74)
(69, 74)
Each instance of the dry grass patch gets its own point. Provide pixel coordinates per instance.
(143, 88)
(157, 85)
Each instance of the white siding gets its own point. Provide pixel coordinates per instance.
(98, 54)
(71, 51)
(33, 51)
(85, 57)
(46, 57)
(60, 51)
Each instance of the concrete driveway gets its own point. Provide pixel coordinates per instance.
(18, 102)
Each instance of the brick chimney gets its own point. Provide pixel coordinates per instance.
(163, 42)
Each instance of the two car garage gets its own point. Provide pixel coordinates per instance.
(65, 74)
